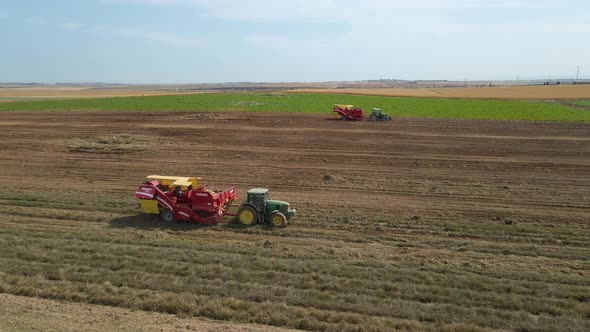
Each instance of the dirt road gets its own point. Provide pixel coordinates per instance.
(506, 200)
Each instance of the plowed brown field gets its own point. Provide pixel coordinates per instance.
(409, 224)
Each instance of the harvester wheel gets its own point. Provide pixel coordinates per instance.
(167, 216)
(278, 219)
(343, 118)
(247, 216)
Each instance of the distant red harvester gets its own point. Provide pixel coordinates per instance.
(186, 201)
(348, 112)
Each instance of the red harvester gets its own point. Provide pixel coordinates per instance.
(348, 112)
(180, 198)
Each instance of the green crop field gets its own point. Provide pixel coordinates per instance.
(320, 103)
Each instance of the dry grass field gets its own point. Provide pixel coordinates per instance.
(414, 224)
(551, 92)
(9, 94)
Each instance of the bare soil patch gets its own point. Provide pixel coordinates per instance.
(113, 144)
(213, 116)
(19, 313)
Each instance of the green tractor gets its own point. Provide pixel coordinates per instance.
(259, 209)
(377, 115)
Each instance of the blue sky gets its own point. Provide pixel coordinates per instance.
(194, 41)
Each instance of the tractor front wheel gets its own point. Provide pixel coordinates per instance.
(278, 220)
(167, 216)
(247, 216)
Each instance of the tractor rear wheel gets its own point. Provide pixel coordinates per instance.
(373, 118)
(167, 216)
(278, 219)
(247, 216)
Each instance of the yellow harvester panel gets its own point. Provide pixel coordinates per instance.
(175, 181)
(149, 206)
(346, 107)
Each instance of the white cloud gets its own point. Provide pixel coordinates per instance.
(375, 21)
(342, 10)
(36, 21)
(421, 38)
(285, 43)
(278, 42)
(154, 36)
(148, 2)
(71, 25)
(165, 38)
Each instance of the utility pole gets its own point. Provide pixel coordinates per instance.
(517, 79)
(578, 73)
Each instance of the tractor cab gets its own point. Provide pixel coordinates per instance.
(377, 115)
(258, 208)
(257, 197)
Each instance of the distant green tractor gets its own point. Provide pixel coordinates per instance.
(377, 115)
(259, 209)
